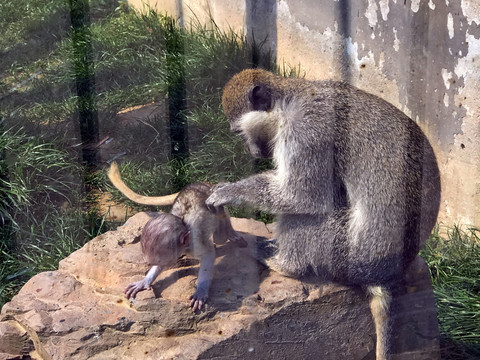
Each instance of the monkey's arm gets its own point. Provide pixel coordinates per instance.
(134, 288)
(199, 298)
(257, 190)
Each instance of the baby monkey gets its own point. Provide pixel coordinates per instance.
(188, 230)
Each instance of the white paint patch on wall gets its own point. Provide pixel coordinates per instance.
(445, 100)
(431, 5)
(396, 42)
(302, 28)
(471, 10)
(381, 60)
(415, 5)
(451, 30)
(352, 51)
(329, 33)
(447, 77)
(385, 9)
(371, 13)
(298, 43)
(283, 9)
(464, 67)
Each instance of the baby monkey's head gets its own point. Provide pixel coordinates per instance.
(164, 239)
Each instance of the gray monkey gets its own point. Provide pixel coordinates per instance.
(356, 186)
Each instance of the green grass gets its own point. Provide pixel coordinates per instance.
(137, 56)
(454, 264)
(42, 216)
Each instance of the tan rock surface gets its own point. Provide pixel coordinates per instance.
(79, 311)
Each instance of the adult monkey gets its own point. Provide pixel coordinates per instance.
(355, 188)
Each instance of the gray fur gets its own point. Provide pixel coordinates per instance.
(356, 188)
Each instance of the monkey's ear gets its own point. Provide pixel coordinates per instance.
(185, 238)
(261, 98)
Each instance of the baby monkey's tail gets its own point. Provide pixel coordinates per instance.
(116, 179)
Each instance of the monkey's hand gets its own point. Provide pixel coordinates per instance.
(198, 299)
(222, 194)
(134, 288)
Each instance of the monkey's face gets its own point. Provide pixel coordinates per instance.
(257, 128)
(164, 240)
(165, 250)
(248, 103)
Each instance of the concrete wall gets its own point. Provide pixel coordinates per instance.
(421, 55)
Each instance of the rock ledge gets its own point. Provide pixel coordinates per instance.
(79, 312)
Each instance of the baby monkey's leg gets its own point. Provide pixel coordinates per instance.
(205, 274)
(224, 229)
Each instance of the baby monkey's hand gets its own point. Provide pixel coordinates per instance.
(134, 288)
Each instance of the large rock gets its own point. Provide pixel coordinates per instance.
(79, 311)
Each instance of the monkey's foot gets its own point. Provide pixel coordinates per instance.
(198, 299)
(267, 255)
(266, 248)
(275, 265)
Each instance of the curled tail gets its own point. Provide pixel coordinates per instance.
(116, 179)
(380, 301)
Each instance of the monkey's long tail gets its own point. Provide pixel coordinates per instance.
(380, 301)
(116, 179)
